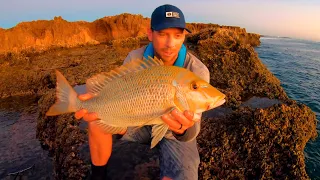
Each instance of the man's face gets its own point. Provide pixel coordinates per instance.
(167, 43)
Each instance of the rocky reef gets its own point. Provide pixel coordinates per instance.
(259, 133)
(256, 143)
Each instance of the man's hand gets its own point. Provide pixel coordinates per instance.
(83, 113)
(179, 122)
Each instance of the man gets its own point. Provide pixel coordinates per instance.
(179, 157)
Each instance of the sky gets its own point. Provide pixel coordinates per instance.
(289, 18)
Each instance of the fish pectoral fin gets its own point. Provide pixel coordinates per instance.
(181, 102)
(158, 132)
(109, 129)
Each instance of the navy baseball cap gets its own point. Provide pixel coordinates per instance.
(167, 16)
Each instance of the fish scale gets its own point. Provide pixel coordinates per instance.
(141, 102)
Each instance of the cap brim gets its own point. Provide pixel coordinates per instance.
(188, 30)
(164, 26)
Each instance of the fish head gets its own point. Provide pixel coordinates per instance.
(199, 95)
(202, 96)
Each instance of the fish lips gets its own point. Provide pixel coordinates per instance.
(216, 104)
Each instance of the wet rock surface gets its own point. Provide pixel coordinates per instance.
(20, 150)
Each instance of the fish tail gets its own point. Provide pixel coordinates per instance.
(66, 97)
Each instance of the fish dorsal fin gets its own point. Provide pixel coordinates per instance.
(96, 83)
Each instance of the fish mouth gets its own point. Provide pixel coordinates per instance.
(216, 104)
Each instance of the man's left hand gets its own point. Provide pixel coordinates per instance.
(179, 122)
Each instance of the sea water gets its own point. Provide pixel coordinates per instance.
(296, 63)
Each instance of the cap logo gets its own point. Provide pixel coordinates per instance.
(172, 14)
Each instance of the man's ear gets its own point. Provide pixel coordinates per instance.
(185, 32)
(150, 34)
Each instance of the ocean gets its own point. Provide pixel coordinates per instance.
(296, 63)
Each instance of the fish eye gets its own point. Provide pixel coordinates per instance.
(194, 86)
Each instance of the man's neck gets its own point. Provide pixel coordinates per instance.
(170, 63)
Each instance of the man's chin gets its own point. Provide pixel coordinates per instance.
(168, 59)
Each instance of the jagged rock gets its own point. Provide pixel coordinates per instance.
(256, 143)
(42, 35)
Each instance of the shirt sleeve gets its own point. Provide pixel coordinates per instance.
(135, 54)
(202, 71)
(127, 59)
